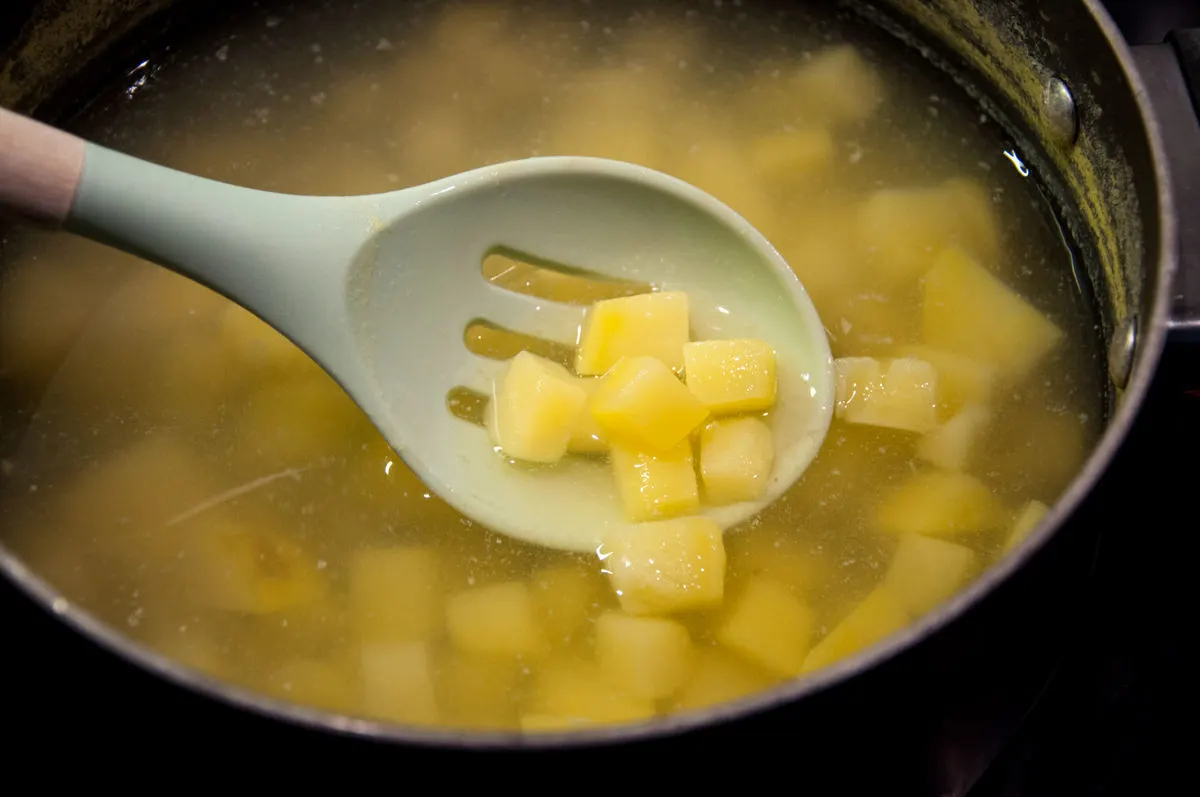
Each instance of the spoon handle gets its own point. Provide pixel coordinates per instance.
(283, 256)
(40, 168)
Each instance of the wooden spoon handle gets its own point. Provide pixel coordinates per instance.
(40, 169)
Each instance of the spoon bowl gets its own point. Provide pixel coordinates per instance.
(380, 289)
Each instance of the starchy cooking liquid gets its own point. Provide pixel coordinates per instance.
(182, 472)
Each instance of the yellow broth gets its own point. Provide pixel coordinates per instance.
(181, 471)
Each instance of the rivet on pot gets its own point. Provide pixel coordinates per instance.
(1059, 112)
(1120, 351)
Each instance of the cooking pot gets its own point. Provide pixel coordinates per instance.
(1108, 131)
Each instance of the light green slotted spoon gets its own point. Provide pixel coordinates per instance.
(379, 290)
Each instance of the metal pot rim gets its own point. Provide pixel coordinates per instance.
(1152, 338)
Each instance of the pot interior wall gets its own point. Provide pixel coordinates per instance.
(49, 47)
(1104, 181)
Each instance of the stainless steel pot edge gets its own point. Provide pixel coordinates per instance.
(1150, 345)
(1152, 336)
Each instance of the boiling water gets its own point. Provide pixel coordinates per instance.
(183, 473)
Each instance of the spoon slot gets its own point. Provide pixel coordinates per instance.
(543, 318)
(530, 275)
(467, 404)
(497, 343)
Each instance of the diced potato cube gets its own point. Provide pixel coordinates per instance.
(1028, 519)
(968, 311)
(478, 691)
(897, 394)
(641, 404)
(838, 85)
(587, 437)
(648, 657)
(535, 408)
(499, 620)
(879, 615)
(395, 594)
(565, 596)
(398, 683)
(649, 325)
(731, 375)
(792, 157)
(769, 627)
(567, 693)
(667, 566)
(951, 445)
(926, 571)
(735, 460)
(961, 380)
(255, 570)
(939, 503)
(656, 486)
(976, 229)
(719, 677)
(904, 229)
(858, 385)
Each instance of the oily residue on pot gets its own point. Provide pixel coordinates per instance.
(1013, 51)
(58, 42)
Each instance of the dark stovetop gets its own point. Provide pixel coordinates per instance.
(1109, 720)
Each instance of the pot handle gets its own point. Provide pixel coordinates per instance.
(1171, 73)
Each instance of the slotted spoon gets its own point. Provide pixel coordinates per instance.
(379, 290)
